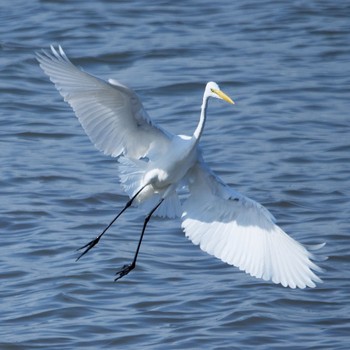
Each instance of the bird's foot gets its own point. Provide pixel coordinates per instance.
(124, 271)
(88, 246)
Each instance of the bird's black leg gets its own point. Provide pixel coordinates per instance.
(92, 243)
(127, 268)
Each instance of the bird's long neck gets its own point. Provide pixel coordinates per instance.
(198, 132)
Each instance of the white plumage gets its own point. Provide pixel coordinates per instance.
(154, 164)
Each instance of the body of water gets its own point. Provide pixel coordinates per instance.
(285, 144)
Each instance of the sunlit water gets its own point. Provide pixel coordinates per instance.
(285, 143)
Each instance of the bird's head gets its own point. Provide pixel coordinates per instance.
(213, 90)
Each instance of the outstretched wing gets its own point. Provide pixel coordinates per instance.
(241, 232)
(111, 114)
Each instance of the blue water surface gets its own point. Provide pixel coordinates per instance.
(285, 144)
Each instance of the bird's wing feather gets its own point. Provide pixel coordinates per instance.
(241, 232)
(111, 114)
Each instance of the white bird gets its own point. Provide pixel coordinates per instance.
(154, 164)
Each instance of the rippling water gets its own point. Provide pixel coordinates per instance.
(286, 144)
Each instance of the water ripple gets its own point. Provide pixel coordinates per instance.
(284, 144)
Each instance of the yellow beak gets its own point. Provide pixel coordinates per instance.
(223, 96)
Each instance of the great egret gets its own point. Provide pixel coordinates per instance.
(154, 164)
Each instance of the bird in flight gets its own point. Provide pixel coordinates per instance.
(155, 164)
